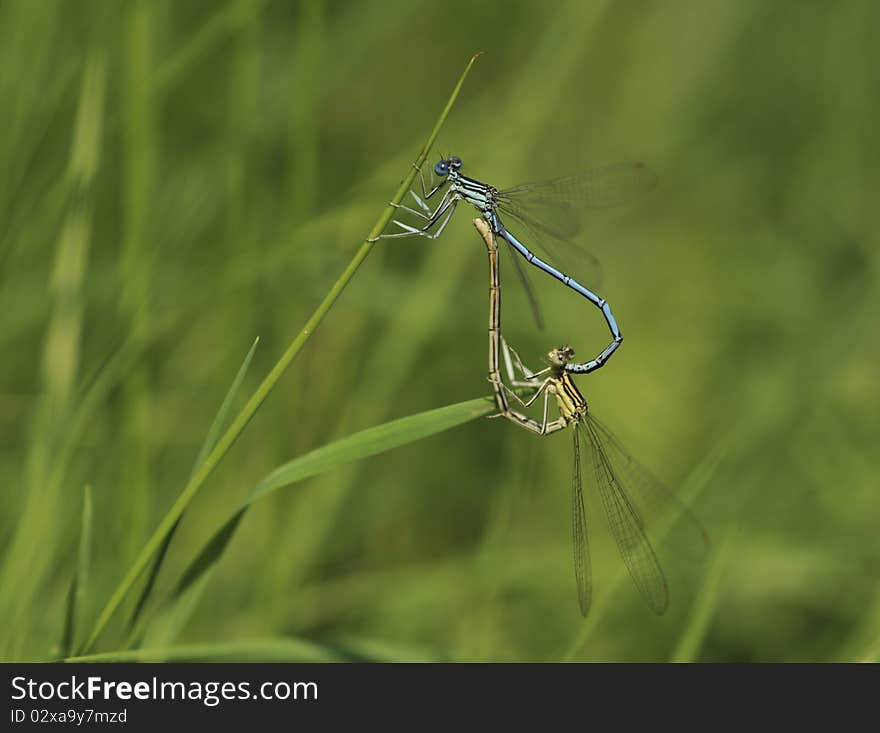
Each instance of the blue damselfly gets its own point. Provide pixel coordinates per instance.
(548, 209)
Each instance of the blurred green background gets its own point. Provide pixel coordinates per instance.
(180, 178)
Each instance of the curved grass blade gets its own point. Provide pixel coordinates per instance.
(372, 441)
(373, 650)
(165, 626)
(241, 421)
(176, 612)
(256, 650)
(279, 649)
(209, 442)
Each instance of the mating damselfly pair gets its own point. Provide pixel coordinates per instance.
(629, 494)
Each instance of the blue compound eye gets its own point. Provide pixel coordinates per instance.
(442, 168)
(455, 162)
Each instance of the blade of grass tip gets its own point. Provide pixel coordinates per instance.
(244, 417)
(214, 431)
(79, 585)
(169, 621)
(209, 442)
(691, 641)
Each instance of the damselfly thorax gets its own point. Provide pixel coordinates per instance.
(480, 195)
(571, 402)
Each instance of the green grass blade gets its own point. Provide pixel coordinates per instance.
(373, 650)
(372, 441)
(84, 552)
(78, 592)
(257, 650)
(68, 631)
(380, 439)
(210, 441)
(241, 421)
(283, 649)
(165, 626)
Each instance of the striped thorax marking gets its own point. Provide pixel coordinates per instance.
(571, 402)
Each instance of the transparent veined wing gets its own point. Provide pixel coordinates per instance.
(608, 185)
(625, 521)
(654, 501)
(549, 241)
(527, 286)
(553, 211)
(580, 541)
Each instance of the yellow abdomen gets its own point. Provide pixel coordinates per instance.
(572, 404)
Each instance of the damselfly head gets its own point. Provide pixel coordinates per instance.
(561, 356)
(443, 167)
